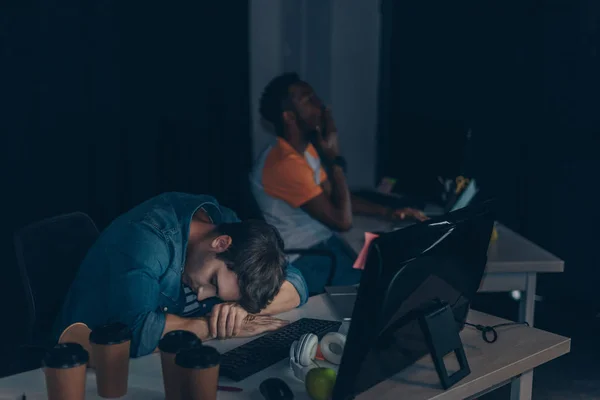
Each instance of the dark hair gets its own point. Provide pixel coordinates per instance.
(274, 96)
(256, 256)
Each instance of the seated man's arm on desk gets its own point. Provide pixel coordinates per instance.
(252, 325)
(365, 207)
(292, 180)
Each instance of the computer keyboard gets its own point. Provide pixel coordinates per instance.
(271, 348)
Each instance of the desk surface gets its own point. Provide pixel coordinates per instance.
(517, 350)
(511, 252)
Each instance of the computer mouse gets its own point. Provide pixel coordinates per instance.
(275, 389)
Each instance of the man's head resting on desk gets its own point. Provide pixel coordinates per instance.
(242, 262)
(292, 106)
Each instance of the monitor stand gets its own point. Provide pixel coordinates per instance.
(442, 336)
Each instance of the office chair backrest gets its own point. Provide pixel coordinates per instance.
(49, 253)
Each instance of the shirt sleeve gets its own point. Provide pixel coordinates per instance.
(134, 292)
(291, 180)
(294, 276)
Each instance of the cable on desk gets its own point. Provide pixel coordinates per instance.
(486, 330)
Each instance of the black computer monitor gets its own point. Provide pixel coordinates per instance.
(442, 259)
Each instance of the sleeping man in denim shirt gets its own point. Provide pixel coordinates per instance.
(181, 261)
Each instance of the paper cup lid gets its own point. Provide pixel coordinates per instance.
(198, 357)
(110, 334)
(175, 341)
(65, 355)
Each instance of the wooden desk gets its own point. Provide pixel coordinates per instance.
(518, 349)
(513, 264)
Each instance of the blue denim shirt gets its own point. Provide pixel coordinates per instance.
(132, 274)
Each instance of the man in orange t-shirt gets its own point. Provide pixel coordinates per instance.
(299, 182)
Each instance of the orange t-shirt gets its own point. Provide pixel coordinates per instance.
(289, 175)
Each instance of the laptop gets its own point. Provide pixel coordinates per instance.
(464, 199)
(397, 202)
(342, 299)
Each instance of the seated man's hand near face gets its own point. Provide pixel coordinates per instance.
(229, 320)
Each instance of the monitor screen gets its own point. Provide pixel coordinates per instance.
(406, 270)
(466, 196)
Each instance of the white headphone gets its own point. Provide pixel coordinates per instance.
(304, 350)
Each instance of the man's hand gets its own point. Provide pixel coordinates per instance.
(226, 320)
(257, 324)
(326, 140)
(409, 213)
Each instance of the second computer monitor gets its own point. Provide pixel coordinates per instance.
(443, 259)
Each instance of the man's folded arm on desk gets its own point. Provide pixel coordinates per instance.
(148, 324)
(294, 291)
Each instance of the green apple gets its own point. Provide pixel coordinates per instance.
(319, 383)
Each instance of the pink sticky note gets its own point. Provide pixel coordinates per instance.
(362, 256)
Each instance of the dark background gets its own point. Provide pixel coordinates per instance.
(107, 103)
(523, 75)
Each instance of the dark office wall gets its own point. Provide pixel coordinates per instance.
(463, 64)
(562, 212)
(523, 76)
(107, 103)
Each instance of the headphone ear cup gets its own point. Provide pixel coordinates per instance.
(307, 349)
(299, 347)
(332, 347)
(300, 350)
